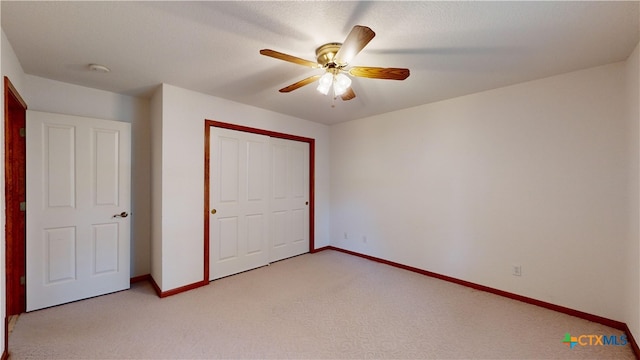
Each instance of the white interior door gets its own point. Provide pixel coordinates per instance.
(78, 178)
(239, 187)
(289, 199)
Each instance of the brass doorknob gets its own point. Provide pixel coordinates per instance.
(121, 215)
(213, 211)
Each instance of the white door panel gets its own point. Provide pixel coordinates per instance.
(289, 199)
(78, 178)
(239, 193)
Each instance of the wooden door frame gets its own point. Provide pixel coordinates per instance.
(12, 100)
(208, 124)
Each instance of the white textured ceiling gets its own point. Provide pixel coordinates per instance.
(452, 48)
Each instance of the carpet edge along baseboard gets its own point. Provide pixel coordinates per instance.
(562, 309)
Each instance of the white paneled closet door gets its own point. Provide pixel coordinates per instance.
(239, 191)
(259, 199)
(289, 199)
(78, 196)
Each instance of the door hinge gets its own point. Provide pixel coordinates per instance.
(23, 206)
(22, 280)
(22, 132)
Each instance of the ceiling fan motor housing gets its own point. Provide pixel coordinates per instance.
(326, 53)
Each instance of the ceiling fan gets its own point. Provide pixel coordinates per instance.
(334, 58)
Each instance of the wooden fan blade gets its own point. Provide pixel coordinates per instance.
(379, 73)
(357, 39)
(289, 58)
(300, 84)
(348, 95)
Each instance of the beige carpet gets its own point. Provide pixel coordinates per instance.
(325, 305)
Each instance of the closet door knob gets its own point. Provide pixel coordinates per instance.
(213, 211)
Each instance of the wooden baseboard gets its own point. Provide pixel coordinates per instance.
(183, 289)
(632, 341)
(175, 291)
(155, 286)
(322, 249)
(565, 310)
(140, 278)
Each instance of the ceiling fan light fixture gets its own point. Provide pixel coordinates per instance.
(334, 58)
(340, 84)
(324, 84)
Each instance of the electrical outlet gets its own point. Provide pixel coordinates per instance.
(516, 270)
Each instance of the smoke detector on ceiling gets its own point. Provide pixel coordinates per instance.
(98, 68)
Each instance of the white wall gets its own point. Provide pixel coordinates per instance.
(533, 174)
(156, 186)
(182, 135)
(632, 296)
(11, 66)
